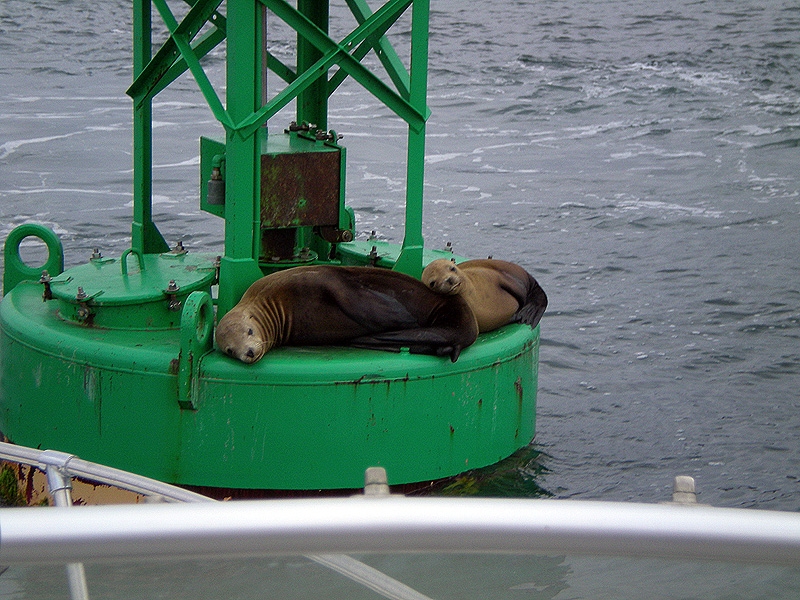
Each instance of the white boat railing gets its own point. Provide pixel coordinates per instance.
(53, 461)
(397, 525)
(61, 467)
(326, 530)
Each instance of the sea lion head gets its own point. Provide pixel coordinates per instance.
(443, 277)
(239, 335)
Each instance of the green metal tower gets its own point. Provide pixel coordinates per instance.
(251, 240)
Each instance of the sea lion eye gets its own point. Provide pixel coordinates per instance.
(249, 332)
(453, 268)
(432, 284)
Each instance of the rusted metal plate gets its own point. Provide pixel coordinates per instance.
(300, 189)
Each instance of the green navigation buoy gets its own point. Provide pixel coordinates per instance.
(114, 360)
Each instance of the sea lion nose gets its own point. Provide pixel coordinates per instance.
(250, 353)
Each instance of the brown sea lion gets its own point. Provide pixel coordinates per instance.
(357, 306)
(498, 292)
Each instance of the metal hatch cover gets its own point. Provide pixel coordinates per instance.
(127, 293)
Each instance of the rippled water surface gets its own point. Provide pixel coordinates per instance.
(640, 158)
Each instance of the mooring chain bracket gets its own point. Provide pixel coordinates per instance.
(124, 259)
(16, 269)
(197, 324)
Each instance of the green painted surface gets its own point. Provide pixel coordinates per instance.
(380, 253)
(139, 299)
(301, 418)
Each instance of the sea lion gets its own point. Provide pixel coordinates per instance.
(364, 307)
(498, 292)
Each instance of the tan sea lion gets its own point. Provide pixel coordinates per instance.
(358, 306)
(498, 292)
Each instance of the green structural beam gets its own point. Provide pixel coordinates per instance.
(245, 108)
(201, 47)
(385, 51)
(339, 54)
(178, 54)
(312, 102)
(239, 265)
(145, 236)
(410, 260)
(203, 11)
(181, 34)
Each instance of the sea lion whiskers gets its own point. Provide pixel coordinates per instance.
(273, 325)
(455, 284)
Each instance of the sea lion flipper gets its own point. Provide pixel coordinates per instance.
(535, 304)
(422, 340)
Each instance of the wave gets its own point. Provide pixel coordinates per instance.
(8, 148)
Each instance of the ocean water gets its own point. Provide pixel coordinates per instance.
(639, 158)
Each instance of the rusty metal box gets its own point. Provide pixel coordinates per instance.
(301, 182)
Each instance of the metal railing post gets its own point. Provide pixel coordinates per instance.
(59, 484)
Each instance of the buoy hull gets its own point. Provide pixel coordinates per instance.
(299, 419)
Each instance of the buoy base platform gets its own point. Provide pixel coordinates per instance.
(123, 372)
